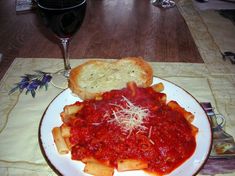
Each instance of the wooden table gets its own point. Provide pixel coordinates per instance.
(111, 29)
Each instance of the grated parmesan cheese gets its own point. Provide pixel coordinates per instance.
(129, 117)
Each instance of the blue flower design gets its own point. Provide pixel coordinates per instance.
(32, 82)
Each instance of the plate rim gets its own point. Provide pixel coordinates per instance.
(54, 168)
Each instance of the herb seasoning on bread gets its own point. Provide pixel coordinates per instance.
(93, 78)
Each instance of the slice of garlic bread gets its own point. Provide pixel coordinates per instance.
(95, 77)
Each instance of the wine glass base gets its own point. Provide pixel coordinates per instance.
(163, 3)
(60, 80)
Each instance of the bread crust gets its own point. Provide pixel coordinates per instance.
(85, 76)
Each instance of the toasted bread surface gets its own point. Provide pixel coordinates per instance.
(95, 77)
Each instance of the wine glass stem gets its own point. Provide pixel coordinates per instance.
(65, 45)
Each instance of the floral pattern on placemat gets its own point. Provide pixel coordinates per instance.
(32, 82)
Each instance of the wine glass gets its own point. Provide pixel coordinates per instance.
(64, 18)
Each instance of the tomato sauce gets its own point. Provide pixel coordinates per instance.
(162, 137)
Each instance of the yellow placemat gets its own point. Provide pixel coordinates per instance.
(20, 114)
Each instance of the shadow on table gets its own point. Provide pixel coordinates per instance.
(229, 14)
(218, 166)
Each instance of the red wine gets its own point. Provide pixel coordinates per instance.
(63, 17)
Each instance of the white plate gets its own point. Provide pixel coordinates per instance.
(63, 164)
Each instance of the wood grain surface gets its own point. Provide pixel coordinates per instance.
(111, 29)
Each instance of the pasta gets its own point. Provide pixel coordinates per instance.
(65, 131)
(158, 87)
(72, 109)
(175, 106)
(128, 129)
(59, 141)
(131, 164)
(98, 169)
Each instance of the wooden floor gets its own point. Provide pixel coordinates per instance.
(111, 29)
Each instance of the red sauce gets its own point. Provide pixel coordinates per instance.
(165, 143)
